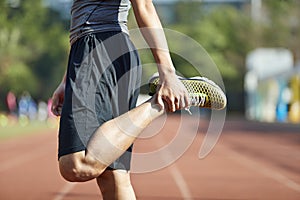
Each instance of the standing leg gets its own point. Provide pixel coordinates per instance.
(115, 184)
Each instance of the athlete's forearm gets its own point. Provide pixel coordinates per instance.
(153, 33)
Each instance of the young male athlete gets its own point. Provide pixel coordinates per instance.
(96, 98)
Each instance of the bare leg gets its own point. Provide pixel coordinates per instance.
(115, 184)
(109, 142)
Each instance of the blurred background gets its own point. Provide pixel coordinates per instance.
(254, 43)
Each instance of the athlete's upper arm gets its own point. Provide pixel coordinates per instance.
(143, 6)
(140, 3)
(145, 13)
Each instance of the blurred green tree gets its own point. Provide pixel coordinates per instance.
(280, 25)
(33, 49)
(228, 34)
(223, 31)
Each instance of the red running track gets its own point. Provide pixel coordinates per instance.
(250, 161)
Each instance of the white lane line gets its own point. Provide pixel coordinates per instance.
(65, 190)
(177, 176)
(180, 182)
(255, 166)
(24, 157)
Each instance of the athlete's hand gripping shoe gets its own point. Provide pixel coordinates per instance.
(202, 92)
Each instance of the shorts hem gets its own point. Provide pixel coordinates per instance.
(70, 151)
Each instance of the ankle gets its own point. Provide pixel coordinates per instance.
(156, 110)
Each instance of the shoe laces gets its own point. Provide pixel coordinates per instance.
(197, 99)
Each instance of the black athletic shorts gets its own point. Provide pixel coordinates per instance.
(103, 81)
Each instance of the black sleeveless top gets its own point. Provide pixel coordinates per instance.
(89, 16)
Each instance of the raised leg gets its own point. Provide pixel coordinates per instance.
(109, 142)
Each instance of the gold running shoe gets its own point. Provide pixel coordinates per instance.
(202, 92)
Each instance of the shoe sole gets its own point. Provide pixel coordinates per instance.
(198, 86)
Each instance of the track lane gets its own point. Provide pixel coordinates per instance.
(247, 163)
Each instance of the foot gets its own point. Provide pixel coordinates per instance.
(202, 92)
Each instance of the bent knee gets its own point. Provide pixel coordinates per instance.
(73, 169)
(73, 173)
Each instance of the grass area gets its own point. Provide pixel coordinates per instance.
(10, 128)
